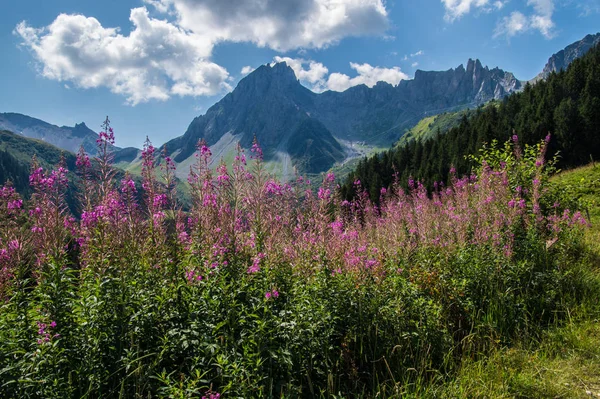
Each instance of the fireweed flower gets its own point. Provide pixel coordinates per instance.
(324, 193)
(205, 151)
(256, 263)
(44, 334)
(128, 185)
(256, 151)
(160, 201)
(271, 294)
(273, 188)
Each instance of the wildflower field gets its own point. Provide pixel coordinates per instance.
(268, 289)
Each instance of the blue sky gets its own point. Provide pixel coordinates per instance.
(153, 65)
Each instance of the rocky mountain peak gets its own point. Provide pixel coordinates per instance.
(270, 77)
(565, 57)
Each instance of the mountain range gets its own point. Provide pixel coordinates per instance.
(310, 132)
(306, 132)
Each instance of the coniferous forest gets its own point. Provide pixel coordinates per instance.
(566, 105)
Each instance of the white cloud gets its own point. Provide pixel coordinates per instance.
(515, 23)
(309, 72)
(316, 76)
(540, 20)
(155, 61)
(158, 5)
(161, 58)
(246, 70)
(279, 24)
(457, 8)
(414, 64)
(418, 53)
(544, 24)
(512, 25)
(542, 7)
(367, 75)
(588, 7)
(498, 5)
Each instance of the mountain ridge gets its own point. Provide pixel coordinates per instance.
(65, 137)
(271, 105)
(561, 60)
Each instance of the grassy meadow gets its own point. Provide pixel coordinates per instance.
(487, 287)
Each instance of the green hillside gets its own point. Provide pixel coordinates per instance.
(582, 185)
(23, 149)
(565, 361)
(16, 153)
(429, 126)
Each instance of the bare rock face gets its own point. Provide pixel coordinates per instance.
(271, 105)
(565, 57)
(292, 122)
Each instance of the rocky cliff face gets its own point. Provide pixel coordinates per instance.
(475, 84)
(304, 129)
(65, 137)
(292, 123)
(381, 114)
(563, 58)
(272, 105)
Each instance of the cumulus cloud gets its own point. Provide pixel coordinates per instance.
(457, 8)
(540, 20)
(309, 72)
(280, 25)
(316, 77)
(366, 74)
(418, 53)
(246, 70)
(414, 64)
(155, 61)
(509, 26)
(160, 58)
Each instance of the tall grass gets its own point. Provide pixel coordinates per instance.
(268, 289)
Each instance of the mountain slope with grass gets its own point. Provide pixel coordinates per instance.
(562, 362)
(430, 126)
(17, 153)
(273, 290)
